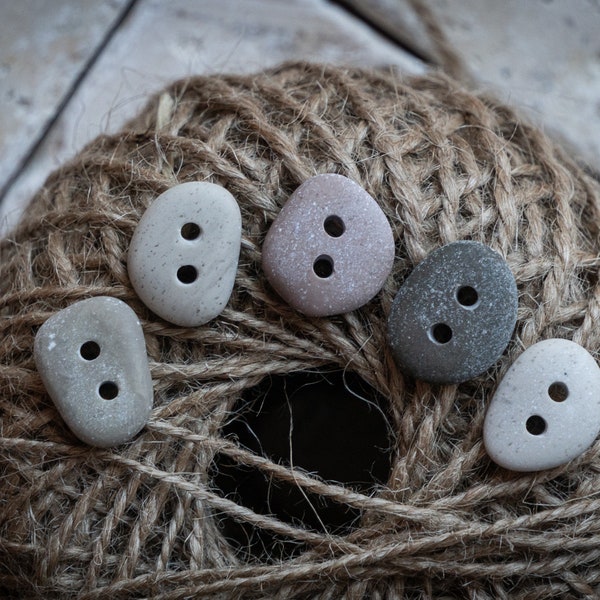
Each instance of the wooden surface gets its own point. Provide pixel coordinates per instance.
(71, 69)
(44, 47)
(540, 56)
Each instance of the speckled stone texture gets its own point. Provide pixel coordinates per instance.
(183, 256)
(454, 315)
(546, 410)
(330, 249)
(91, 357)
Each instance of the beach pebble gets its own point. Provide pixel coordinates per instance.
(91, 357)
(454, 314)
(330, 249)
(546, 410)
(183, 256)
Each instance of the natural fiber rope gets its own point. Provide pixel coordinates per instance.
(141, 520)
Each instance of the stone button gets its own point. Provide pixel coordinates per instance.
(183, 256)
(454, 315)
(546, 410)
(92, 359)
(330, 249)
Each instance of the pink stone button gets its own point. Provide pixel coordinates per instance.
(330, 249)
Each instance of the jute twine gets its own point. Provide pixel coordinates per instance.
(141, 520)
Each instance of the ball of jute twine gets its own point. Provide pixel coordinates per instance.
(141, 520)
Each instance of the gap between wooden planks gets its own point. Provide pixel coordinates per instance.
(158, 42)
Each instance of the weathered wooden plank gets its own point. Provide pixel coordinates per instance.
(44, 47)
(541, 56)
(162, 41)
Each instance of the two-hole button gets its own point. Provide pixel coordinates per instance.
(454, 314)
(330, 249)
(545, 411)
(92, 359)
(183, 256)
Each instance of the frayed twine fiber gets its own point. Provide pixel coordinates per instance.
(141, 520)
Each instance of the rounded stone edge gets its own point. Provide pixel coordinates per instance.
(289, 297)
(41, 335)
(132, 259)
(442, 379)
(490, 445)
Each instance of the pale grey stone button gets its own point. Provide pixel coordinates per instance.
(454, 315)
(330, 249)
(546, 410)
(183, 256)
(91, 357)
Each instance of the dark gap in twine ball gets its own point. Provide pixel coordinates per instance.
(331, 424)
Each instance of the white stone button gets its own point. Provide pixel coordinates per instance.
(92, 359)
(330, 249)
(183, 256)
(546, 410)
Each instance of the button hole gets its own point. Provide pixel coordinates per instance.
(467, 296)
(440, 333)
(323, 266)
(191, 231)
(334, 226)
(535, 425)
(108, 390)
(89, 350)
(187, 274)
(558, 391)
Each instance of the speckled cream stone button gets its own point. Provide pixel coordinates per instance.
(546, 410)
(330, 249)
(91, 357)
(183, 256)
(454, 315)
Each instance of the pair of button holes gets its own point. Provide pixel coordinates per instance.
(90, 350)
(334, 227)
(468, 298)
(188, 273)
(559, 392)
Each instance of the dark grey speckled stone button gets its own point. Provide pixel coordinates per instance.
(454, 315)
(330, 249)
